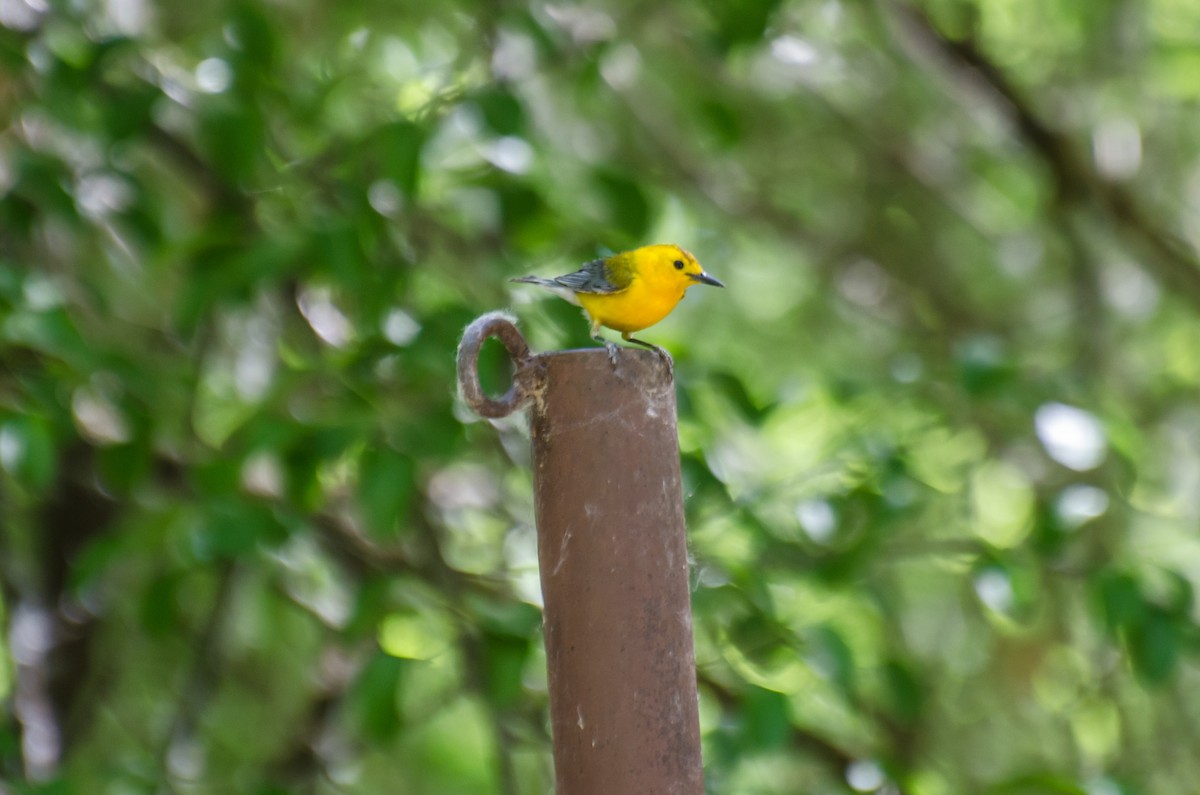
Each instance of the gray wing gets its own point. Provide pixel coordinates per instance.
(593, 277)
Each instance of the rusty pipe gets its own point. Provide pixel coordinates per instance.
(612, 555)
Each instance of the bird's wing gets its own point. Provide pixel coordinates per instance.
(593, 277)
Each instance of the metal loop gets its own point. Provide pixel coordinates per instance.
(501, 326)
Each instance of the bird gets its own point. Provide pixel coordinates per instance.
(629, 291)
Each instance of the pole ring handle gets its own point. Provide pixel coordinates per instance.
(501, 326)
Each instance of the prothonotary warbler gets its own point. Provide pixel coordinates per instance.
(630, 291)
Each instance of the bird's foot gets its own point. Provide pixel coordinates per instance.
(661, 351)
(666, 359)
(612, 349)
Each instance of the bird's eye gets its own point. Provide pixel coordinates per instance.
(678, 264)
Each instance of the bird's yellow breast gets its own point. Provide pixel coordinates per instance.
(641, 305)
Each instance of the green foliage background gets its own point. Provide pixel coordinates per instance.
(941, 434)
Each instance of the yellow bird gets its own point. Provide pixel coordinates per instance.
(630, 291)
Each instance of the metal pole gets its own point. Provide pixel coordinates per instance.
(613, 559)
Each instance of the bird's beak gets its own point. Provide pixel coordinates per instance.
(704, 278)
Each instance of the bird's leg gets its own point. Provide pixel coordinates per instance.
(611, 347)
(661, 351)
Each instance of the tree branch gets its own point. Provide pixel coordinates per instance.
(1173, 261)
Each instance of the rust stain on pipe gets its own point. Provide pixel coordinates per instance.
(614, 570)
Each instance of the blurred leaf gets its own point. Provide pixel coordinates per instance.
(232, 136)
(398, 152)
(159, 615)
(1039, 784)
(698, 480)
(57, 786)
(253, 35)
(1121, 599)
(906, 696)
(958, 19)
(519, 619)
(757, 636)
(27, 451)
(123, 466)
(1181, 595)
(10, 284)
(411, 635)
(523, 210)
(50, 332)
(232, 528)
(1175, 71)
(1154, 646)
(306, 454)
(371, 603)
(740, 21)
(374, 697)
(336, 249)
(42, 181)
(10, 745)
(836, 658)
(502, 111)
(386, 480)
(734, 390)
(766, 717)
(504, 658)
(224, 273)
(626, 201)
(984, 366)
(722, 121)
(129, 111)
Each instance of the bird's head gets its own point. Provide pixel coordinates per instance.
(676, 264)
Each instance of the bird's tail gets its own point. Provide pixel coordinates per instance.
(558, 289)
(534, 280)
